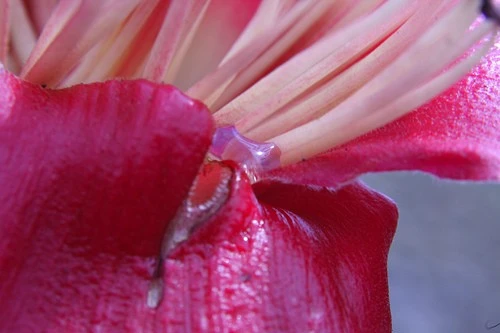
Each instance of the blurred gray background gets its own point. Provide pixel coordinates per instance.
(444, 266)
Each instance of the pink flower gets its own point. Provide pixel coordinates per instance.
(116, 211)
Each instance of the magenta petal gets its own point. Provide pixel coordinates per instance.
(91, 175)
(330, 252)
(304, 260)
(457, 135)
(89, 178)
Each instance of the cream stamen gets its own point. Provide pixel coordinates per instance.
(174, 39)
(308, 70)
(227, 82)
(436, 49)
(4, 30)
(73, 29)
(304, 75)
(23, 33)
(324, 97)
(108, 58)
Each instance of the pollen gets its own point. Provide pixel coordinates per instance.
(299, 76)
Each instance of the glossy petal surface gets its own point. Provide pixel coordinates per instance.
(92, 175)
(305, 260)
(455, 136)
(89, 178)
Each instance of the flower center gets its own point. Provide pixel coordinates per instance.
(299, 76)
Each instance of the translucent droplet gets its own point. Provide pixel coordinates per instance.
(254, 157)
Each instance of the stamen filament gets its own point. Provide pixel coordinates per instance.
(23, 34)
(394, 110)
(102, 61)
(72, 20)
(439, 47)
(40, 12)
(224, 84)
(304, 75)
(333, 92)
(306, 71)
(4, 30)
(266, 16)
(174, 39)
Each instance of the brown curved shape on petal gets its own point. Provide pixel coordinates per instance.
(89, 178)
(303, 260)
(454, 136)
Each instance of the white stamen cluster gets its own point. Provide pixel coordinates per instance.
(306, 75)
